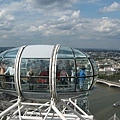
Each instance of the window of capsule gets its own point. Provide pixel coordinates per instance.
(7, 69)
(6, 78)
(34, 74)
(73, 73)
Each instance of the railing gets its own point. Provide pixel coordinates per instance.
(110, 83)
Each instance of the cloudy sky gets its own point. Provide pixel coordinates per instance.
(74, 23)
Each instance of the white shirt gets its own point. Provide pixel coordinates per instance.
(10, 70)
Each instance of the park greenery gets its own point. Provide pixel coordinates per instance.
(115, 77)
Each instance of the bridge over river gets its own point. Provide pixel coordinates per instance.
(110, 83)
(101, 100)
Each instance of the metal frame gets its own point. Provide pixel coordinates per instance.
(54, 108)
(49, 110)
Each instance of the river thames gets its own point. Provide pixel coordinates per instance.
(101, 100)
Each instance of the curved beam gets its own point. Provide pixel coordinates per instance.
(17, 71)
(52, 72)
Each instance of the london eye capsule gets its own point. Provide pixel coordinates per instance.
(46, 71)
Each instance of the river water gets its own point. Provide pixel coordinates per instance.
(101, 100)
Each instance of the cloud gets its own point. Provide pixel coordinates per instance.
(51, 4)
(64, 18)
(51, 22)
(106, 25)
(6, 20)
(10, 17)
(76, 14)
(66, 24)
(113, 7)
(2, 13)
(92, 1)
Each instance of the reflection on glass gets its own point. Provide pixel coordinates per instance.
(74, 75)
(65, 52)
(35, 74)
(65, 75)
(78, 54)
(84, 62)
(7, 73)
(74, 70)
(94, 67)
(11, 53)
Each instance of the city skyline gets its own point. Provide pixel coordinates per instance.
(74, 23)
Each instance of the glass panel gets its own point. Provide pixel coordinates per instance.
(2, 77)
(7, 73)
(2, 54)
(35, 75)
(71, 76)
(87, 83)
(7, 69)
(84, 63)
(87, 55)
(2, 81)
(65, 75)
(94, 67)
(84, 73)
(78, 53)
(65, 52)
(11, 53)
(95, 79)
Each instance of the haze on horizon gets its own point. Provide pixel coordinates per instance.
(74, 23)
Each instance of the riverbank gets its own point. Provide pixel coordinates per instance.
(101, 100)
(109, 83)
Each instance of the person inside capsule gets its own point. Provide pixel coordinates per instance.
(46, 73)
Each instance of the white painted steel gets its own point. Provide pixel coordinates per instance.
(47, 110)
(52, 72)
(17, 71)
(37, 51)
